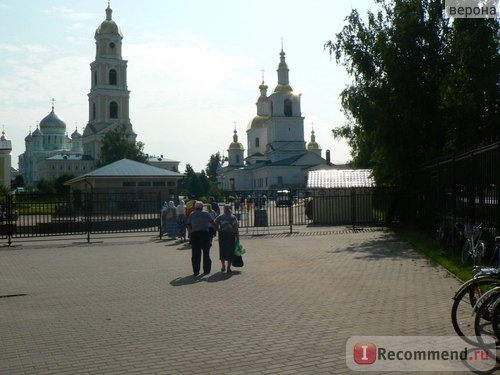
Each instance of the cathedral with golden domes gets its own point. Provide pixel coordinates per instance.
(277, 155)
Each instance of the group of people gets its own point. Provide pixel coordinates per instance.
(202, 222)
(173, 220)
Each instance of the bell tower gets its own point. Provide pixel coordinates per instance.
(285, 127)
(109, 95)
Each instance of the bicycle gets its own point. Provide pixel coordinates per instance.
(474, 247)
(467, 296)
(495, 257)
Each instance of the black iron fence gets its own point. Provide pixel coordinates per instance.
(351, 206)
(463, 189)
(39, 215)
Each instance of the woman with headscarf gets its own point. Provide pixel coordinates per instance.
(171, 217)
(181, 220)
(163, 217)
(227, 225)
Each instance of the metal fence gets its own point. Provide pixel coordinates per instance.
(40, 215)
(463, 189)
(353, 206)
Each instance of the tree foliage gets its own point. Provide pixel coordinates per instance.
(213, 166)
(116, 145)
(55, 186)
(192, 184)
(203, 184)
(417, 92)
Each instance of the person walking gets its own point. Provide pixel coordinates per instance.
(227, 225)
(171, 217)
(213, 214)
(197, 224)
(215, 206)
(181, 220)
(163, 218)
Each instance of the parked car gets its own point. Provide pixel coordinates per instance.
(283, 198)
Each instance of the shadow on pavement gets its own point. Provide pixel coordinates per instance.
(186, 280)
(380, 249)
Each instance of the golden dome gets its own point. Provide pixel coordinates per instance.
(258, 122)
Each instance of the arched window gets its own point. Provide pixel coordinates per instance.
(237, 159)
(95, 77)
(288, 107)
(113, 110)
(257, 142)
(93, 111)
(112, 77)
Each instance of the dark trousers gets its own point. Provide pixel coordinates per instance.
(200, 241)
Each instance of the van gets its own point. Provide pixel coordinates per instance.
(283, 198)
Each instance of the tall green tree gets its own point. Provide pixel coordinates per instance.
(116, 145)
(409, 77)
(471, 100)
(213, 166)
(192, 184)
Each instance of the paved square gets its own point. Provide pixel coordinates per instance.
(130, 305)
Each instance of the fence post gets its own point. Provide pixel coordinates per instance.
(353, 208)
(8, 218)
(290, 210)
(88, 213)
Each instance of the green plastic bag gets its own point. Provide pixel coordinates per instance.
(239, 250)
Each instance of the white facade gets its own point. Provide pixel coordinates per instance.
(5, 161)
(50, 152)
(50, 142)
(109, 95)
(277, 155)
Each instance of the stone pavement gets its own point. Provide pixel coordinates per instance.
(130, 305)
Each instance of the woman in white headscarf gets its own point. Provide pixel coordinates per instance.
(171, 217)
(181, 220)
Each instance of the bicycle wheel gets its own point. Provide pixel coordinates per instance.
(486, 323)
(462, 316)
(479, 253)
(495, 258)
(495, 320)
(466, 251)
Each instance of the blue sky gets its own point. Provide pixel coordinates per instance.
(194, 67)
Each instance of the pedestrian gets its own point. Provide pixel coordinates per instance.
(181, 220)
(198, 223)
(211, 230)
(215, 205)
(227, 225)
(163, 218)
(171, 217)
(190, 205)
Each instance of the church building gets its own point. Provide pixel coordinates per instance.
(277, 155)
(50, 152)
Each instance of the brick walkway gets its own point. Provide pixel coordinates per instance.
(131, 306)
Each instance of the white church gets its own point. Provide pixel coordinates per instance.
(50, 152)
(277, 155)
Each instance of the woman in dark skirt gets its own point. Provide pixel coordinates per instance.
(227, 225)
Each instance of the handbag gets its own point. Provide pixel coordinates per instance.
(237, 261)
(239, 250)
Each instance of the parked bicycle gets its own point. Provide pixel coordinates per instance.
(450, 235)
(473, 248)
(495, 256)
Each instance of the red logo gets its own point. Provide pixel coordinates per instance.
(365, 353)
